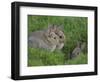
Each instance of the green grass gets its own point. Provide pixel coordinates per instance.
(75, 29)
(40, 57)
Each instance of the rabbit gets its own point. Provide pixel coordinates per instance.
(59, 32)
(78, 49)
(45, 39)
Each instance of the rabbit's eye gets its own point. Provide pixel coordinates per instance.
(54, 37)
(60, 36)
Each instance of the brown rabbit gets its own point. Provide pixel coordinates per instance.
(78, 49)
(45, 39)
(59, 32)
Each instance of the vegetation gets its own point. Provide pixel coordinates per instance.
(75, 29)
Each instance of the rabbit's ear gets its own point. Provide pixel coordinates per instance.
(61, 27)
(79, 44)
(52, 28)
(49, 30)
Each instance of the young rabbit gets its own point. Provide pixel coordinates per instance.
(78, 49)
(45, 39)
(59, 32)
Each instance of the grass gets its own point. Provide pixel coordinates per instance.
(75, 29)
(40, 57)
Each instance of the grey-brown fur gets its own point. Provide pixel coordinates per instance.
(48, 39)
(78, 49)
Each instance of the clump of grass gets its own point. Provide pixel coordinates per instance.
(39, 57)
